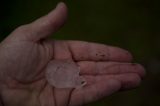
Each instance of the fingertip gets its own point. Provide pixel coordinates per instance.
(62, 6)
(50, 23)
(120, 55)
(129, 55)
(141, 70)
(129, 81)
(134, 82)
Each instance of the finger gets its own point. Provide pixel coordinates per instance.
(51, 22)
(82, 51)
(94, 92)
(44, 26)
(62, 96)
(61, 50)
(79, 51)
(128, 81)
(110, 68)
(46, 97)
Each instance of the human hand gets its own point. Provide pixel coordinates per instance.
(25, 54)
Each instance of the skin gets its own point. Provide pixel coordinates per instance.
(25, 53)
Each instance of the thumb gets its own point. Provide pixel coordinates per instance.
(44, 26)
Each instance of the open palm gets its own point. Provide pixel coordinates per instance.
(25, 54)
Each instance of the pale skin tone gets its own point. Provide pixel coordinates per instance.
(25, 53)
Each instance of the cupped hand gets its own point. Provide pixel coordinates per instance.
(26, 52)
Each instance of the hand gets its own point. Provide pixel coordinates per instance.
(24, 55)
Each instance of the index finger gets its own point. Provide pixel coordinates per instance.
(82, 51)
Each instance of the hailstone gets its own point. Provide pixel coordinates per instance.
(64, 74)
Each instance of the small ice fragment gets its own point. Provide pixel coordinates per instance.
(64, 74)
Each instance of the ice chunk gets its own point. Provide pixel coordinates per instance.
(64, 74)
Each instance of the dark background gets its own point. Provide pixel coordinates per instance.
(130, 24)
